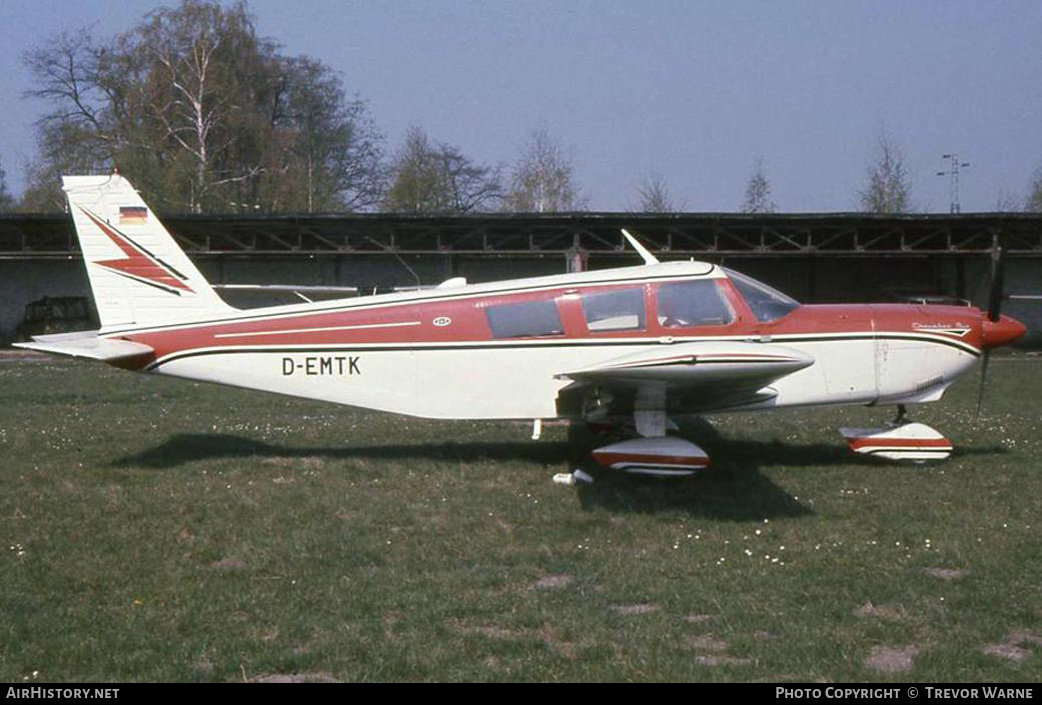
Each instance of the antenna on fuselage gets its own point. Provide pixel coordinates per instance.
(641, 250)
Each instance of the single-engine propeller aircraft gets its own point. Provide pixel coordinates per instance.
(642, 342)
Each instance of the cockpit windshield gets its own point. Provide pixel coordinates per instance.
(767, 304)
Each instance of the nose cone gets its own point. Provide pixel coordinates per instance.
(1002, 332)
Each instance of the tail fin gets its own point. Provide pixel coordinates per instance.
(137, 273)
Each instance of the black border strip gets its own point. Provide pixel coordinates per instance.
(141, 280)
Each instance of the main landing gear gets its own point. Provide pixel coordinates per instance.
(664, 456)
(654, 453)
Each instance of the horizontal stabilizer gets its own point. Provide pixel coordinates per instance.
(87, 345)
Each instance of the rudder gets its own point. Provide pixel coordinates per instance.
(138, 274)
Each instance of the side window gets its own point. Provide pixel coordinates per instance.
(692, 303)
(524, 320)
(614, 310)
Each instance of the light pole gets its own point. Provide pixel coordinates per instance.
(953, 173)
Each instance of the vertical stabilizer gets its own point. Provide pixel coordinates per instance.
(138, 274)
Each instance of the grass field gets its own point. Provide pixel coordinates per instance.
(160, 530)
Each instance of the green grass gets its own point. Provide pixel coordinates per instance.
(160, 530)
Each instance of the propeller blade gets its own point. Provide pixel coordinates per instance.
(983, 378)
(998, 267)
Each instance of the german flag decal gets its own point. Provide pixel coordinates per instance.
(133, 215)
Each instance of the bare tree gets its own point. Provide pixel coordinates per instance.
(655, 196)
(77, 136)
(203, 115)
(66, 72)
(758, 191)
(43, 192)
(434, 177)
(887, 189)
(6, 199)
(543, 179)
(1006, 202)
(474, 187)
(333, 158)
(189, 106)
(1033, 203)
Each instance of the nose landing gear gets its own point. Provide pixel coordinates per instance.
(899, 440)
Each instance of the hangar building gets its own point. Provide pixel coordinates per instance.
(816, 258)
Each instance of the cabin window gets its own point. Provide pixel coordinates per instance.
(767, 304)
(524, 320)
(692, 303)
(622, 309)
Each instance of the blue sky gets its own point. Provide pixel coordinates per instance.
(694, 91)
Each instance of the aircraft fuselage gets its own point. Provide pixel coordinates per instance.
(497, 350)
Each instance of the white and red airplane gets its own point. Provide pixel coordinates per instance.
(646, 342)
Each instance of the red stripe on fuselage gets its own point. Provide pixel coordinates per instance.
(412, 322)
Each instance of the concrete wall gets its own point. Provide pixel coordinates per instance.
(821, 279)
(24, 281)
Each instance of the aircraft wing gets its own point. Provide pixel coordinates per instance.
(697, 376)
(87, 345)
